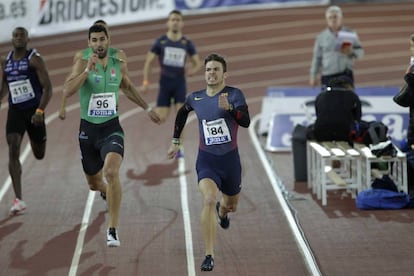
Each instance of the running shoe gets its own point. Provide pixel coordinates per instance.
(223, 222)
(103, 196)
(18, 207)
(112, 238)
(208, 264)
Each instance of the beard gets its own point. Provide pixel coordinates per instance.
(102, 55)
(101, 52)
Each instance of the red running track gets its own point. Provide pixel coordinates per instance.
(264, 48)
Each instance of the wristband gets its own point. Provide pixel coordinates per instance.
(86, 70)
(145, 83)
(148, 109)
(39, 111)
(175, 141)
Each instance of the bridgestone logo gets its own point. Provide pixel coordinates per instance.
(58, 11)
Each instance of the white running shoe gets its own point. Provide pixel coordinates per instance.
(112, 238)
(18, 207)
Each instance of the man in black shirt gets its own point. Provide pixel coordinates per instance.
(337, 109)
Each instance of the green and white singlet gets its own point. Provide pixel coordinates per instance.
(100, 92)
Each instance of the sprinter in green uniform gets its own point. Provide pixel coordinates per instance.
(98, 78)
(85, 53)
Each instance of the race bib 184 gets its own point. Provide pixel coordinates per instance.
(216, 132)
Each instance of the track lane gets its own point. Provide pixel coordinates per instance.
(151, 222)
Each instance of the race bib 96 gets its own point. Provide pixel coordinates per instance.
(102, 105)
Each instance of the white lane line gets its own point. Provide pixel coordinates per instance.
(275, 181)
(81, 236)
(186, 212)
(186, 217)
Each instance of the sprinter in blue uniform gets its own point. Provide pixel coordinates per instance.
(172, 50)
(26, 80)
(220, 110)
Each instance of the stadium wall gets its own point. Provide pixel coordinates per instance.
(49, 17)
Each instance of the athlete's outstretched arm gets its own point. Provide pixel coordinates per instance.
(146, 71)
(41, 71)
(62, 108)
(129, 89)
(180, 120)
(133, 94)
(38, 64)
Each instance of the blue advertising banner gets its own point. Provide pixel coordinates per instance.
(210, 4)
(285, 107)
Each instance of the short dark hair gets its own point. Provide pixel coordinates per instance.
(216, 57)
(21, 29)
(100, 21)
(175, 12)
(97, 29)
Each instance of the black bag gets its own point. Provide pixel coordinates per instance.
(403, 98)
(385, 183)
(369, 132)
(384, 149)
